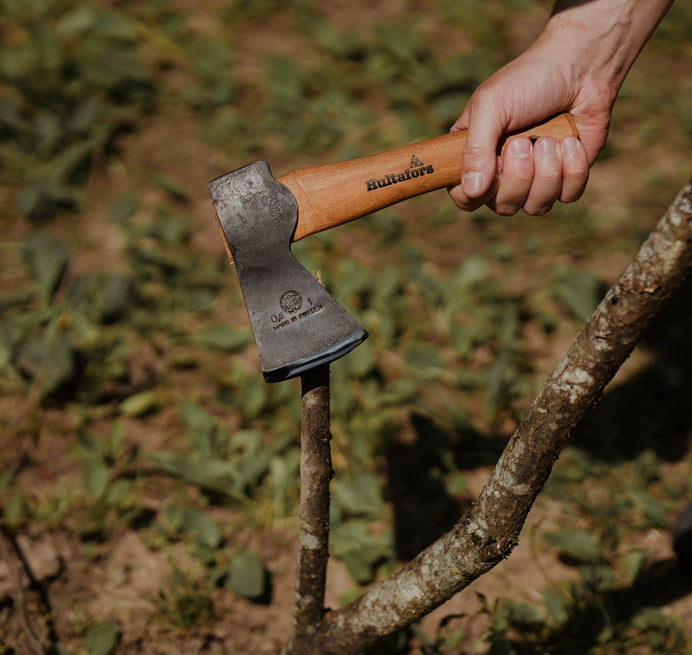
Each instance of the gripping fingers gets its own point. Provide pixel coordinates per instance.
(547, 181)
(575, 169)
(532, 176)
(470, 204)
(516, 178)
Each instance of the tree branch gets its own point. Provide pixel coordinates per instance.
(7, 553)
(315, 475)
(488, 533)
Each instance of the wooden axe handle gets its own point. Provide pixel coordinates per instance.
(332, 194)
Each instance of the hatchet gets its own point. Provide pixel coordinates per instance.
(297, 324)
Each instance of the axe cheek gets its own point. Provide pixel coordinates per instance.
(297, 325)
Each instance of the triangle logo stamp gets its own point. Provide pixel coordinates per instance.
(416, 169)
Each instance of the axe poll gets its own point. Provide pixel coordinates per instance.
(296, 323)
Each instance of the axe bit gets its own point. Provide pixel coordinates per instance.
(297, 324)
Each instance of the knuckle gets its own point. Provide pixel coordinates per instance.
(541, 211)
(474, 154)
(505, 210)
(462, 202)
(576, 169)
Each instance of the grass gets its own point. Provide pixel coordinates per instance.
(131, 400)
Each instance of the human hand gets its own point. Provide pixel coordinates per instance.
(577, 65)
(532, 176)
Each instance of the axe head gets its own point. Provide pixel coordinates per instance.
(296, 323)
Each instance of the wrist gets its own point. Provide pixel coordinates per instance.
(602, 38)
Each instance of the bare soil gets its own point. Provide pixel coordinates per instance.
(119, 578)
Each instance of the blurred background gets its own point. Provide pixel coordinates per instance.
(149, 478)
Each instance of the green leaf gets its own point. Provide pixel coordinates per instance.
(523, 616)
(198, 422)
(203, 432)
(166, 183)
(116, 26)
(361, 361)
(210, 474)
(46, 259)
(425, 357)
(50, 358)
(117, 492)
(200, 527)
(102, 297)
(42, 199)
(474, 269)
(11, 121)
(632, 562)
(14, 298)
(647, 467)
(246, 575)
(96, 477)
(116, 440)
(63, 168)
(256, 398)
(123, 208)
(5, 349)
(253, 458)
(6, 479)
(358, 567)
(555, 606)
(101, 638)
(578, 545)
(463, 339)
(358, 494)
(12, 330)
(403, 44)
(77, 21)
(89, 446)
(361, 553)
(578, 291)
(139, 404)
(222, 336)
(14, 508)
(284, 472)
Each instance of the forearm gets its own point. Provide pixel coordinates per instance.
(604, 36)
(577, 64)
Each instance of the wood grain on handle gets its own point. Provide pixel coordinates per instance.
(332, 194)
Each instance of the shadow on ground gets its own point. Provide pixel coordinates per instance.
(632, 617)
(424, 506)
(652, 410)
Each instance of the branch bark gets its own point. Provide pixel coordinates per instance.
(487, 534)
(315, 476)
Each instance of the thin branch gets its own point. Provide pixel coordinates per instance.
(490, 530)
(315, 475)
(7, 552)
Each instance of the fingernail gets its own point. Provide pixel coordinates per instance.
(520, 148)
(569, 145)
(473, 183)
(546, 146)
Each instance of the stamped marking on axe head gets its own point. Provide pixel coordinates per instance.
(296, 323)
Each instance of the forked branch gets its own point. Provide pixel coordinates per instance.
(489, 531)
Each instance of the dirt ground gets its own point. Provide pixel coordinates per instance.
(118, 577)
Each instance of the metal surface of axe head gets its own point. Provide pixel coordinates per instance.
(296, 323)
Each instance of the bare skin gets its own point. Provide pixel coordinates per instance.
(577, 64)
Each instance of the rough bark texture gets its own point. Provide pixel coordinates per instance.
(488, 533)
(315, 475)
